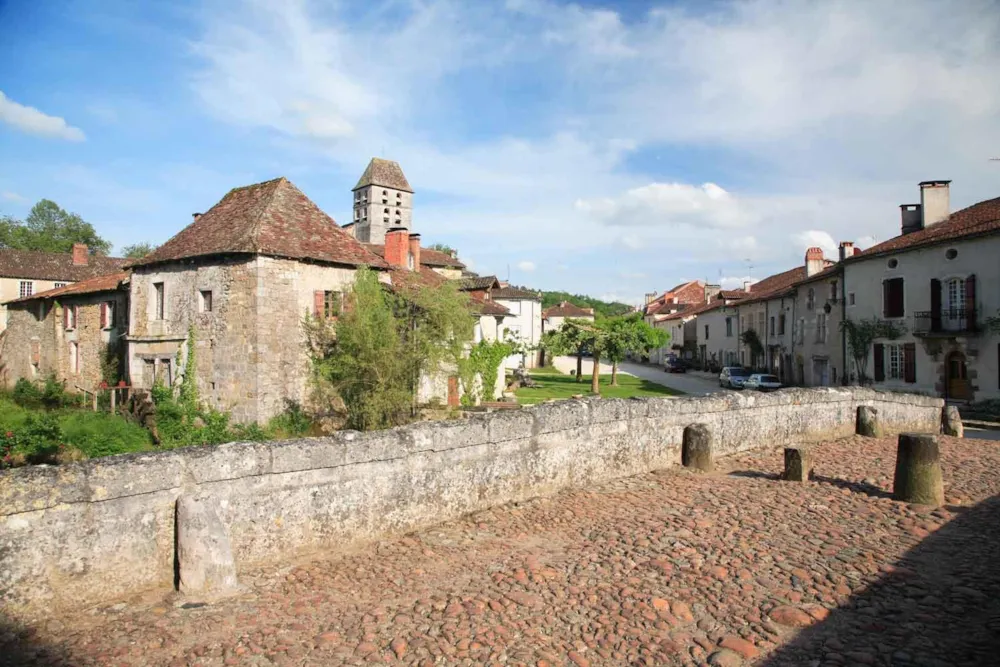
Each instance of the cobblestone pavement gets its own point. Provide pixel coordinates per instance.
(665, 568)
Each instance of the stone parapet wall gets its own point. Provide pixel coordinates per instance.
(101, 530)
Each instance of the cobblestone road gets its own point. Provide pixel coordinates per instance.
(665, 568)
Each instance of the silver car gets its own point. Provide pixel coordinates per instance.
(733, 377)
(762, 382)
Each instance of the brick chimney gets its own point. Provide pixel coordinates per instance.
(415, 251)
(397, 246)
(80, 254)
(814, 261)
(846, 250)
(934, 202)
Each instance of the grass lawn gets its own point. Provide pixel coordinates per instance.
(555, 385)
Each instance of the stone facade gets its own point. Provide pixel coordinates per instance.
(38, 343)
(97, 531)
(379, 208)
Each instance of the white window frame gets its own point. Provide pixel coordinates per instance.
(26, 288)
(74, 357)
(894, 363)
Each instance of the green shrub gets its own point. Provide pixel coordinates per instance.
(26, 393)
(292, 423)
(54, 393)
(100, 434)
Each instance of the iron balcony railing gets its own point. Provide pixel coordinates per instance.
(947, 321)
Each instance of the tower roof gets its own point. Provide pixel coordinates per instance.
(384, 172)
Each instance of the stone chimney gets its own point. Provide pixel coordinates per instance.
(195, 216)
(81, 254)
(711, 291)
(846, 250)
(814, 261)
(746, 285)
(934, 202)
(397, 246)
(911, 218)
(650, 297)
(415, 251)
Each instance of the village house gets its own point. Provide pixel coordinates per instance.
(717, 332)
(937, 280)
(554, 316)
(72, 333)
(27, 272)
(524, 323)
(662, 312)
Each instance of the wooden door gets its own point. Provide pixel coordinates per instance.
(958, 381)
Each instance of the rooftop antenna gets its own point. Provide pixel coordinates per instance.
(749, 269)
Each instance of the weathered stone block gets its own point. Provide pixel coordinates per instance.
(951, 422)
(867, 423)
(561, 415)
(204, 555)
(918, 470)
(798, 464)
(696, 451)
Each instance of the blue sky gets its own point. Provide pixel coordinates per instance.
(597, 147)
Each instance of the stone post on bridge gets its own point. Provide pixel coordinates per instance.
(918, 470)
(696, 450)
(798, 464)
(867, 422)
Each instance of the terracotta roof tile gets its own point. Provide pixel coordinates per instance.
(976, 220)
(106, 283)
(479, 283)
(514, 293)
(58, 266)
(428, 257)
(271, 218)
(567, 309)
(384, 172)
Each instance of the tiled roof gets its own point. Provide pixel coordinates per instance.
(513, 293)
(484, 307)
(479, 283)
(271, 218)
(733, 294)
(780, 283)
(567, 309)
(35, 265)
(384, 172)
(976, 220)
(693, 291)
(428, 257)
(404, 279)
(99, 284)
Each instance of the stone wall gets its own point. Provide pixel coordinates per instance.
(101, 530)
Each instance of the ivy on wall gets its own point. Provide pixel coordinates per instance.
(484, 361)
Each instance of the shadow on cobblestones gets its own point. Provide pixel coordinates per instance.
(856, 487)
(940, 606)
(20, 646)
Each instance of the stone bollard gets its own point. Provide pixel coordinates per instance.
(918, 470)
(951, 422)
(798, 464)
(696, 451)
(867, 422)
(204, 555)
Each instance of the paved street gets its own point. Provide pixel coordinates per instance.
(669, 568)
(693, 383)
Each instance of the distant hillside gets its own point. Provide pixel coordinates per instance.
(601, 308)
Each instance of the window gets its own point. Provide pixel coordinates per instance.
(70, 314)
(772, 325)
(850, 299)
(802, 330)
(895, 354)
(821, 328)
(892, 297)
(58, 285)
(74, 357)
(166, 372)
(332, 303)
(399, 195)
(107, 314)
(158, 313)
(27, 288)
(956, 295)
(781, 324)
(386, 219)
(760, 323)
(706, 332)
(42, 311)
(892, 263)
(357, 214)
(385, 193)
(729, 327)
(385, 210)
(950, 253)
(833, 290)
(205, 300)
(810, 299)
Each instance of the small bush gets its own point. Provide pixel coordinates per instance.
(26, 393)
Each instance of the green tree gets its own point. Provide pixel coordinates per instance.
(441, 247)
(138, 250)
(630, 334)
(752, 341)
(860, 336)
(602, 309)
(570, 338)
(375, 353)
(51, 229)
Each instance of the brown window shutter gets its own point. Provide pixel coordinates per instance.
(935, 304)
(910, 362)
(885, 298)
(318, 303)
(879, 362)
(970, 301)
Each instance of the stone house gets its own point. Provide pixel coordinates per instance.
(937, 279)
(28, 272)
(70, 332)
(691, 293)
(237, 283)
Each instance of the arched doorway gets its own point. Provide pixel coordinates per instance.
(957, 377)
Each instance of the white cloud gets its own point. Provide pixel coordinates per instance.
(657, 204)
(526, 266)
(12, 196)
(817, 239)
(31, 120)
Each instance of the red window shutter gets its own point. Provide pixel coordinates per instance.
(104, 315)
(879, 362)
(970, 301)
(910, 362)
(318, 303)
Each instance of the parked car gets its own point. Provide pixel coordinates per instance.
(733, 377)
(675, 365)
(762, 382)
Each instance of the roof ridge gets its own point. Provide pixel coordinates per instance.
(253, 233)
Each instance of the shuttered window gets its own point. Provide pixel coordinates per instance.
(878, 361)
(892, 298)
(910, 362)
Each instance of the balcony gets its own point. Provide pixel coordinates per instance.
(949, 322)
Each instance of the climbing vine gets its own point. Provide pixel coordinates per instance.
(484, 360)
(752, 340)
(189, 387)
(861, 335)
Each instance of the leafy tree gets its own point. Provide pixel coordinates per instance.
(51, 229)
(861, 335)
(441, 247)
(752, 340)
(138, 250)
(375, 353)
(602, 309)
(630, 335)
(570, 338)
